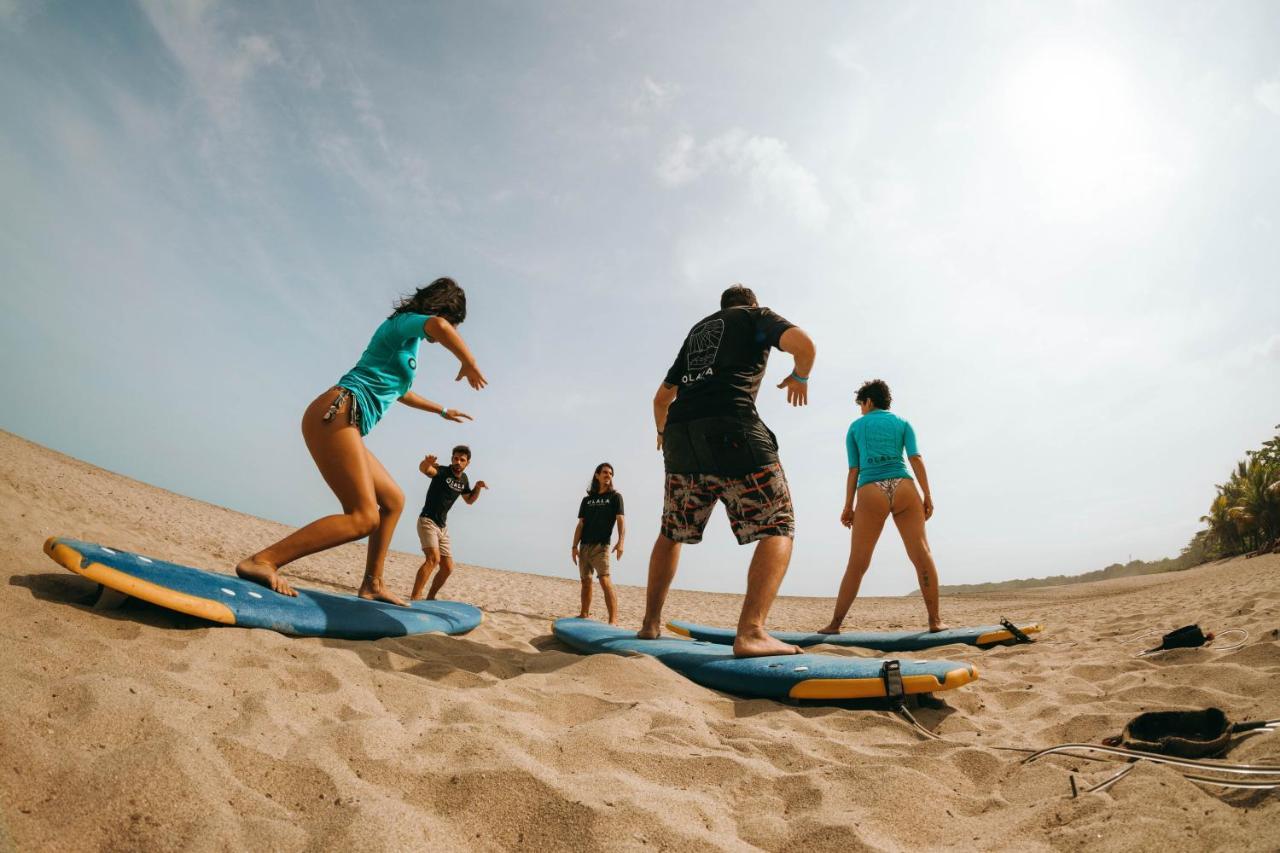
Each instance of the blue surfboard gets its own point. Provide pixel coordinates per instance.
(881, 641)
(231, 600)
(806, 676)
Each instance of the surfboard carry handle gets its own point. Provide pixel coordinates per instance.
(891, 675)
(1018, 633)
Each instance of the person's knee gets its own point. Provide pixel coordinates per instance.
(365, 519)
(446, 567)
(393, 503)
(431, 558)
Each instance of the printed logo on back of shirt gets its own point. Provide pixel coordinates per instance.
(704, 346)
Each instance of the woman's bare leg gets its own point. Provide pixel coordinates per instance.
(869, 516)
(339, 453)
(909, 517)
(390, 504)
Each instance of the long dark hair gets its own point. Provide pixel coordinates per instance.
(595, 484)
(441, 298)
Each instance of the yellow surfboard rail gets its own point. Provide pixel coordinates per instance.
(873, 688)
(70, 558)
(1004, 635)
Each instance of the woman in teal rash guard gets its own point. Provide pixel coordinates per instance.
(879, 482)
(334, 426)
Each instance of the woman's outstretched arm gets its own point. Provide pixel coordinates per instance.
(417, 401)
(442, 332)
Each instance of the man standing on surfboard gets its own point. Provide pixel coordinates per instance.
(715, 448)
(447, 485)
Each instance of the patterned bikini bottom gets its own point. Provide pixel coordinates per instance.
(890, 486)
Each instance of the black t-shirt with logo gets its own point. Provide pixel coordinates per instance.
(443, 491)
(598, 513)
(721, 363)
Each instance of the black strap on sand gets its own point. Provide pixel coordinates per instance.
(891, 675)
(1017, 632)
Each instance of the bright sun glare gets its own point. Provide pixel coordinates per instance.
(1077, 131)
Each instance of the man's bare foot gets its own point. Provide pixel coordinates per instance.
(584, 616)
(758, 644)
(829, 629)
(265, 574)
(649, 631)
(935, 627)
(614, 622)
(375, 591)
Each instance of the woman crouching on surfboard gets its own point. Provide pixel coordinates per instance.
(882, 487)
(334, 426)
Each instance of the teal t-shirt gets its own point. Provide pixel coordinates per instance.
(875, 443)
(385, 372)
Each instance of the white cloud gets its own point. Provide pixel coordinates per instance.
(217, 67)
(1268, 94)
(654, 96)
(773, 176)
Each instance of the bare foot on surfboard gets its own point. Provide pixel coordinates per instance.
(649, 632)
(377, 591)
(936, 627)
(252, 570)
(758, 644)
(829, 629)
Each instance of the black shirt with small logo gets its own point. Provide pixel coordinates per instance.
(598, 514)
(444, 490)
(721, 363)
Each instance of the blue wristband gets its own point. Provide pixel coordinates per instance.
(798, 378)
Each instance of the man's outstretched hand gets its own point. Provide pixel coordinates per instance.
(797, 391)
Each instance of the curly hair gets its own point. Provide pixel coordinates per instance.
(595, 484)
(877, 391)
(441, 298)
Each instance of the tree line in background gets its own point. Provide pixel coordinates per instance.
(1244, 518)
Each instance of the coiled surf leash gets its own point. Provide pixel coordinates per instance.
(1188, 637)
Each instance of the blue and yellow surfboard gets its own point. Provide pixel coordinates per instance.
(806, 676)
(230, 600)
(881, 641)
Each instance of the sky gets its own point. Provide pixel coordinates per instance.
(1053, 229)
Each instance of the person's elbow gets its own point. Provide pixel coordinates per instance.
(796, 342)
(665, 395)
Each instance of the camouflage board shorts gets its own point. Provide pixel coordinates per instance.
(758, 504)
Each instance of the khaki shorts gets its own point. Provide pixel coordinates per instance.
(593, 558)
(433, 537)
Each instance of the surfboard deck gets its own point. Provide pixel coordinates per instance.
(231, 600)
(806, 676)
(881, 641)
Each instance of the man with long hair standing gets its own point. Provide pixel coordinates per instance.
(597, 513)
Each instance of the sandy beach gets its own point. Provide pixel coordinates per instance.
(143, 729)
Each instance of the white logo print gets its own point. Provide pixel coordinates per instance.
(704, 344)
